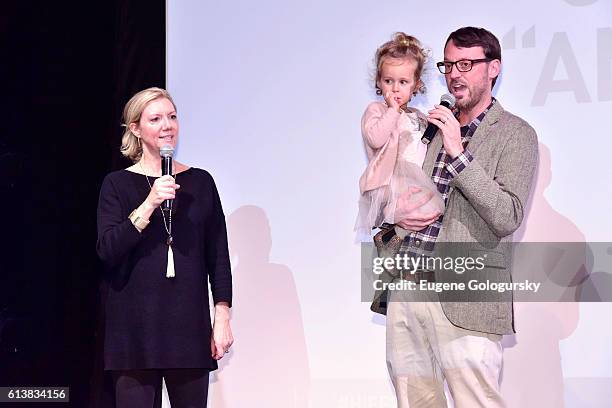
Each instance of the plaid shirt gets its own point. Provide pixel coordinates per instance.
(445, 169)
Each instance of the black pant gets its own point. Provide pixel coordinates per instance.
(187, 388)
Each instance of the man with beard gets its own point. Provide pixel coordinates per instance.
(482, 160)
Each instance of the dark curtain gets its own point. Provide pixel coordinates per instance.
(68, 68)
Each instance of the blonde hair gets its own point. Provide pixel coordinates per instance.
(402, 46)
(130, 143)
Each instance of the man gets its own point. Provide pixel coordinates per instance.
(482, 159)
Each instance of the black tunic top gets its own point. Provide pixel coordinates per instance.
(152, 321)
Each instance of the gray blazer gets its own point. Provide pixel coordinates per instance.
(485, 206)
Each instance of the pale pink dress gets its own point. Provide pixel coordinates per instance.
(395, 155)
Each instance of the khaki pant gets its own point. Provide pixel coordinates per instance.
(424, 349)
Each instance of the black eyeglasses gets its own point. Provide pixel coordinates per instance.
(463, 65)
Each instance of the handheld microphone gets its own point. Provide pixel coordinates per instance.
(447, 100)
(166, 153)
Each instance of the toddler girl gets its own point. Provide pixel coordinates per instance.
(393, 179)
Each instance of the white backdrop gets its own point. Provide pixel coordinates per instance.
(270, 96)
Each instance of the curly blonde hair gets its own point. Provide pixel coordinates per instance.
(402, 45)
(130, 143)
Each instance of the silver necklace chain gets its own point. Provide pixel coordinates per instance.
(168, 225)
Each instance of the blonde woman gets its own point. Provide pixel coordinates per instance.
(158, 265)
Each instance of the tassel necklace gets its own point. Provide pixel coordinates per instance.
(168, 226)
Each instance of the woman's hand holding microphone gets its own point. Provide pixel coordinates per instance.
(164, 188)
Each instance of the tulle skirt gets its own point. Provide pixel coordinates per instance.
(390, 204)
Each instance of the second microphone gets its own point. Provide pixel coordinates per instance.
(447, 100)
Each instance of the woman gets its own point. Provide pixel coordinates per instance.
(157, 320)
